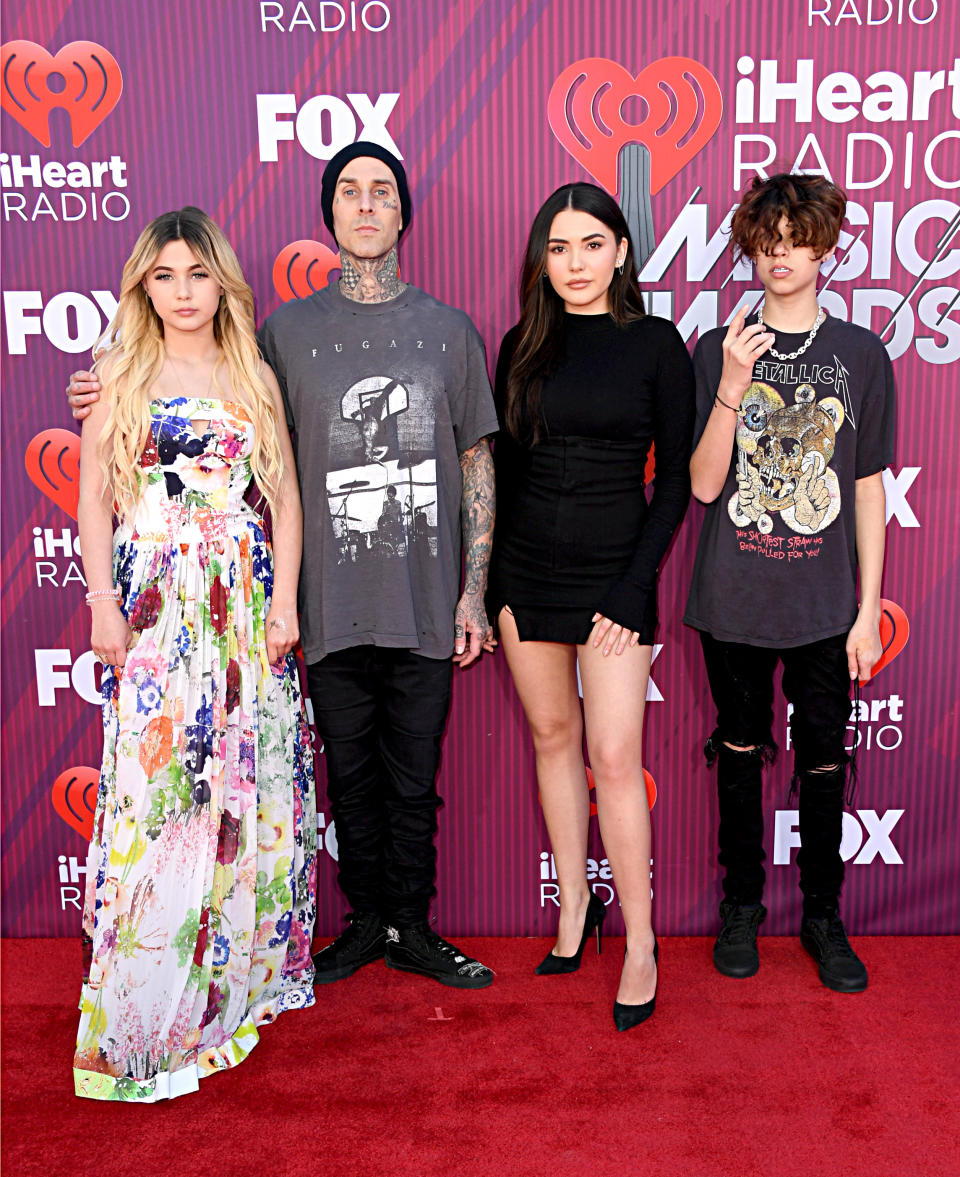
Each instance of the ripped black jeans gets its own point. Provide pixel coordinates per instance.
(816, 681)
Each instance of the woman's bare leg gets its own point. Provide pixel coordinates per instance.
(614, 694)
(545, 676)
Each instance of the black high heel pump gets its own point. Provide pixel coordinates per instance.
(625, 1017)
(552, 964)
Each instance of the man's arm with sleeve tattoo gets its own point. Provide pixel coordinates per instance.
(472, 630)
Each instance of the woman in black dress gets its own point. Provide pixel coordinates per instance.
(584, 382)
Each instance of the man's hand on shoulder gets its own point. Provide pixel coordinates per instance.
(82, 392)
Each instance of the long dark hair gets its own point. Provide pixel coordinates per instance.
(541, 338)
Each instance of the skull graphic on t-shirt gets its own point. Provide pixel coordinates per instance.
(783, 460)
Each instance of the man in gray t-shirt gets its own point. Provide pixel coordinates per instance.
(387, 393)
(383, 399)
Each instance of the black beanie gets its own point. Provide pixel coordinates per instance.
(331, 174)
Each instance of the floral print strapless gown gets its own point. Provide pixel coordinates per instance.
(201, 877)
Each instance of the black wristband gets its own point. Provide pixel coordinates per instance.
(720, 401)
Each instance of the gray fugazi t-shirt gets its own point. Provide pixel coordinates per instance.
(382, 398)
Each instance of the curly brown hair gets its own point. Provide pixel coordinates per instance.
(814, 209)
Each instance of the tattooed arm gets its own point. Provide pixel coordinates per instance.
(373, 279)
(477, 512)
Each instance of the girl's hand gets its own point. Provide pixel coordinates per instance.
(617, 637)
(110, 636)
(282, 630)
(742, 347)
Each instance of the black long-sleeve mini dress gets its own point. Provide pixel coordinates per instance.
(575, 534)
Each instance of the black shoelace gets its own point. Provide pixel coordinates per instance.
(740, 923)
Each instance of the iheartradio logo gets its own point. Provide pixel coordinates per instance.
(74, 797)
(679, 105)
(894, 632)
(83, 79)
(302, 268)
(53, 463)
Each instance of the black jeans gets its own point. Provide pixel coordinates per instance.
(816, 681)
(381, 714)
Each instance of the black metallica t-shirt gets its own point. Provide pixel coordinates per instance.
(776, 564)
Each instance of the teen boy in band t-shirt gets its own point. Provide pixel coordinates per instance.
(795, 422)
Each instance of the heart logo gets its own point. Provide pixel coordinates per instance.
(83, 79)
(683, 106)
(74, 796)
(894, 631)
(53, 463)
(302, 268)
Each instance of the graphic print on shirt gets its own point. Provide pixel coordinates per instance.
(783, 463)
(382, 501)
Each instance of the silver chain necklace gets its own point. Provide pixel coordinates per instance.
(821, 315)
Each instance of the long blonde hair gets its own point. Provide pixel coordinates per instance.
(136, 355)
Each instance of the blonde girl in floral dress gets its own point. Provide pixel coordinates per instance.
(201, 879)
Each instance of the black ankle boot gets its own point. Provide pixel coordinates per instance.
(735, 951)
(364, 941)
(419, 949)
(826, 941)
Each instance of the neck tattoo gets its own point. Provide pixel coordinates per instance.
(374, 279)
(821, 315)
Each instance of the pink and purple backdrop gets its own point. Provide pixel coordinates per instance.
(235, 104)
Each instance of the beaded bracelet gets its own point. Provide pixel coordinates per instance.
(103, 595)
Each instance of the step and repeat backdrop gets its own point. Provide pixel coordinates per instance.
(114, 113)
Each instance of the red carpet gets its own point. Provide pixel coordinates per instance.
(393, 1074)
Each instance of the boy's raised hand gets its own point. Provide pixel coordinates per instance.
(742, 347)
